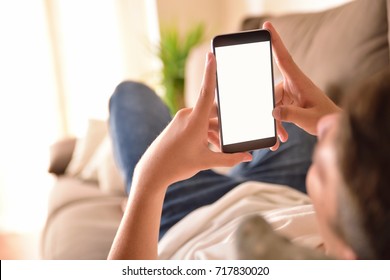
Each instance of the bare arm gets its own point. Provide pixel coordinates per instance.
(137, 236)
(178, 153)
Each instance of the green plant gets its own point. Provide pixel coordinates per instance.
(173, 52)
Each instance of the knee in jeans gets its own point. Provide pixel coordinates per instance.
(128, 90)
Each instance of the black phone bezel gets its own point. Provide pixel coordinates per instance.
(245, 37)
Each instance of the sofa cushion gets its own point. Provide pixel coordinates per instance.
(82, 230)
(68, 190)
(338, 47)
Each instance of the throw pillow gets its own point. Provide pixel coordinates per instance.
(102, 169)
(86, 146)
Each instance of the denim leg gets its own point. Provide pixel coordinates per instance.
(287, 166)
(137, 117)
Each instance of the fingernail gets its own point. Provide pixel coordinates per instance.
(207, 58)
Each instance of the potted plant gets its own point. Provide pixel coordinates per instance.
(173, 52)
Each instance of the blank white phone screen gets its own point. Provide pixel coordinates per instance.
(245, 92)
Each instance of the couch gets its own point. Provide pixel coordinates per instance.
(336, 48)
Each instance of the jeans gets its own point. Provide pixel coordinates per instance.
(137, 116)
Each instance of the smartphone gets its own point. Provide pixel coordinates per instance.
(245, 90)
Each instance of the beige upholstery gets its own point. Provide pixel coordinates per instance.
(60, 155)
(335, 48)
(84, 229)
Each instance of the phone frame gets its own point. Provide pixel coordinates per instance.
(245, 37)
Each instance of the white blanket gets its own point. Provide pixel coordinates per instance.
(209, 232)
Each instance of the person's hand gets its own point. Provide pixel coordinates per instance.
(297, 98)
(182, 149)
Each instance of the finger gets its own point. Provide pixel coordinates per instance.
(213, 138)
(205, 100)
(214, 111)
(282, 133)
(276, 146)
(228, 160)
(282, 57)
(290, 113)
(304, 118)
(279, 93)
(282, 96)
(214, 125)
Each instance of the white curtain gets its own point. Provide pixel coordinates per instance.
(99, 44)
(28, 118)
(60, 60)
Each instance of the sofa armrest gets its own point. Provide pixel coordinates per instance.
(60, 155)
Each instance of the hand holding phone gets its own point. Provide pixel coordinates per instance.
(245, 90)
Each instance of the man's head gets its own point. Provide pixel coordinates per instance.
(349, 180)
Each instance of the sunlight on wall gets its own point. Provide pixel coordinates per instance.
(139, 27)
(90, 57)
(101, 43)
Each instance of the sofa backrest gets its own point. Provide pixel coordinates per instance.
(338, 47)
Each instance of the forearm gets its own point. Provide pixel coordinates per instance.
(137, 236)
(178, 153)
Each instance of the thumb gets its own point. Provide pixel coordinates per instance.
(228, 160)
(293, 114)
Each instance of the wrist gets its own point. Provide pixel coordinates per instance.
(148, 185)
(151, 177)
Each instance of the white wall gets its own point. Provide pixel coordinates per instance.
(184, 14)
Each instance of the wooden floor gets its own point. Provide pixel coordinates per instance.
(19, 246)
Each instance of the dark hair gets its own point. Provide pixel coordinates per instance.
(364, 159)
